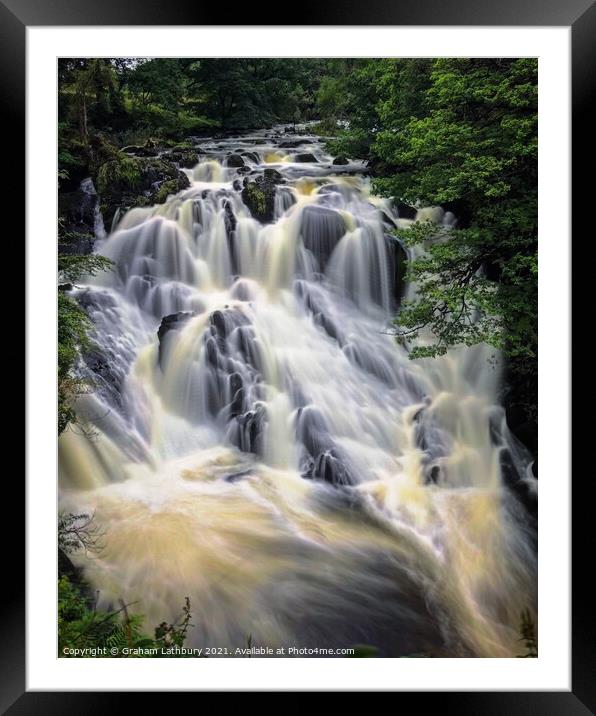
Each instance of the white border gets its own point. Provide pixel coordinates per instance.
(551, 671)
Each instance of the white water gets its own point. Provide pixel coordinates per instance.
(275, 455)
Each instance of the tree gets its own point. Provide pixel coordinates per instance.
(475, 151)
(94, 86)
(460, 133)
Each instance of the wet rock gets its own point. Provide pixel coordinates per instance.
(253, 156)
(398, 264)
(247, 434)
(294, 143)
(173, 322)
(321, 229)
(259, 198)
(235, 160)
(230, 217)
(322, 459)
(77, 211)
(305, 157)
(139, 151)
(271, 174)
(186, 159)
(328, 466)
(125, 182)
(237, 476)
(164, 190)
(341, 160)
(405, 211)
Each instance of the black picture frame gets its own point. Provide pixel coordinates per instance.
(580, 15)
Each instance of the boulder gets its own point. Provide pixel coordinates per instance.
(253, 156)
(163, 190)
(173, 322)
(259, 197)
(321, 229)
(341, 160)
(235, 161)
(305, 157)
(125, 182)
(271, 174)
(185, 158)
(405, 211)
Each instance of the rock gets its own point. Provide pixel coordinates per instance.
(173, 322)
(77, 211)
(398, 263)
(405, 211)
(259, 197)
(139, 151)
(305, 157)
(341, 160)
(230, 218)
(294, 143)
(165, 189)
(321, 229)
(271, 174)
(186, 158)
(253, 156)
(235, 161)
(321, 459)
(125, 182)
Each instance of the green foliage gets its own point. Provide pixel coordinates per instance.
(73, 329)
(165, 189)
(255, 198)
(116, 633)
(72, 267)
(73, 325)
(78, 533)
(122, 172)
(461, 133)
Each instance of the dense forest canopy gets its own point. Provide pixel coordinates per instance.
(460, 133)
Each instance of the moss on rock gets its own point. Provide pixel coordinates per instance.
(125, 182)
(165, 189)
(259, 197)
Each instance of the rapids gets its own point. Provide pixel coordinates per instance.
(258, 441)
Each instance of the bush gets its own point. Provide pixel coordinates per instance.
(100, 634)
(73, 334)
(73, 324)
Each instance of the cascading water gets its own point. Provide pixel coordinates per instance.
(262, 445)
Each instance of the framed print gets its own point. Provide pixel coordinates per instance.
(295, 354)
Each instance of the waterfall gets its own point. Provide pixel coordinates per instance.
(259, 442)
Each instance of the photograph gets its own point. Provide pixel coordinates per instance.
(297, 369)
